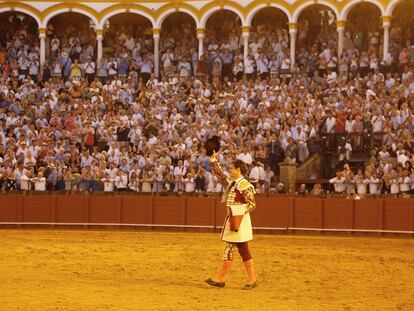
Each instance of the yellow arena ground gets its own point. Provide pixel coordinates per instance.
(134, 270)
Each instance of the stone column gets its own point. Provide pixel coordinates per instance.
(245, 35)
(99, 38)
(288, 175)
(42, 37)
(386, 23)
(293, 30)
(340, 28)
(156, 36)
(200, 36)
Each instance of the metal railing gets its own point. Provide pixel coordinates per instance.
(360, 141)
(97, 186)
(328, 190)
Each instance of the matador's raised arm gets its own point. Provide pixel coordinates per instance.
(216, 169)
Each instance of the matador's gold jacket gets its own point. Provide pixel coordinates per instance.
(238, 193)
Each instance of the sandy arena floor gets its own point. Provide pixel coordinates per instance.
(132, 270)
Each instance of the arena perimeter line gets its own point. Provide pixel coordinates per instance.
(199, 227)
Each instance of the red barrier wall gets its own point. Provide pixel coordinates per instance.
(338, 213)
(200, 211)
(169, 210)
(369, 214)
(308, 213)
(220, 213)
(39, 208)
(11, 208)
(72, 208)
(276, 212)
(137, 211)
(105, 209)
(398, 214)
(271, 212)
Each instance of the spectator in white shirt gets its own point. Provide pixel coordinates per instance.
(121, 181)
(40, 182)
(331, 77)
(374, 184)
(26, 181)
(361, 184)
(377, 122)
(108, 183)
(339, 182)
(190, 181)
(133, 184)
(383, 153)
(112, 68)
(254, 174)
(245, 156)
(34, 68)
(249, 66)
(402, 157)
(330, 123)
(262, 66)
(395, 183)
(405, 185)
(168, 62)
(89, 68)
(19, 172)
(179, 173)
(254, 46)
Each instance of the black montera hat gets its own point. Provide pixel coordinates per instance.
(212, 144)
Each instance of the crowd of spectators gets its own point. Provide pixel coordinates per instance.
(85, 124)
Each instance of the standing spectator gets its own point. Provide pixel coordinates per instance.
(146, 181)
(51, 177)
(338, 182)
(112, 68)
(39, 182)
(108, 183)
(121, 181)
(133, 184)
(89, 68)
(146, 69)
(200, 180)
(190, 181)
(26, 181)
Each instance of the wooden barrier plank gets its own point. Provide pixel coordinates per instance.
(308, 213)
(39, 208)
(10, 208)
(261, 215)
(398, 214)
(137, 209)
(169, 210)
(274, 212)
(72, 208)
(105, 209)
(368, 214)
(220, 213)
(200, 211)
(338, 213)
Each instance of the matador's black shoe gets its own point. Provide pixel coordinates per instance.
(250, 286)
(209, 281)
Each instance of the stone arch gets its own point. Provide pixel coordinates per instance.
(301, 8)
(208, 12)
(347, 8)
(258, 7)
(62, 8)
(119, 9)
(22, 8)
